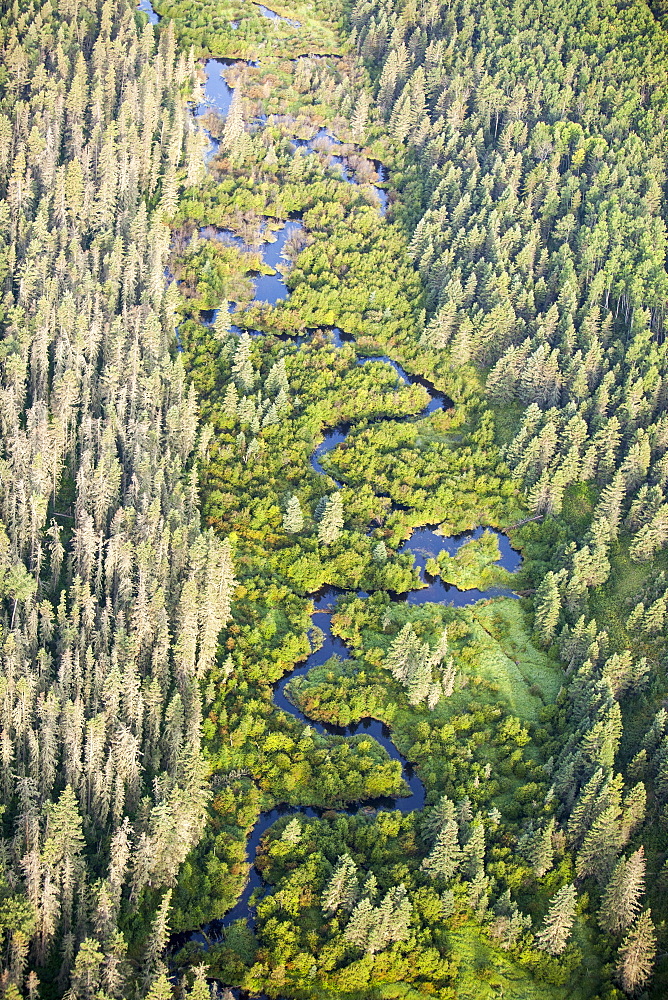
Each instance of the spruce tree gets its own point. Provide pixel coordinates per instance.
(360, 924)
(293, 519)
(379, 554)
(435, 818)
(636, 955)
(242, 365)
(234, 133)
(331, 521)
(538, 850)
(342, 889)
(548, 608)
(473, 852)
(444, 858)
(620, 902)
(153, 967)
(558, 921)
(600, 846)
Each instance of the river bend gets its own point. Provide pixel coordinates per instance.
(424, 542)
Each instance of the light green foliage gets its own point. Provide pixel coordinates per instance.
(208, 26)
(331, 521)
(472, 565)
(343, 888)
(521, 269)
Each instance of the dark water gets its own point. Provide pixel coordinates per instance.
(331, 440)
(272, 287)
(322, 137)
(340, 337)
(336, 435)
(383, 196)
(324, 603)
(423, 543)
(426, 544)
(218, 97)
(147, 8)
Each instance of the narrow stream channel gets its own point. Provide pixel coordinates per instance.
(423, 543)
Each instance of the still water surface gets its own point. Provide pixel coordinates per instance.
(423, 543)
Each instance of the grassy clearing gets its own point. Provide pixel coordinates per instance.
(230, 29)
(521, 675)
(485, 973)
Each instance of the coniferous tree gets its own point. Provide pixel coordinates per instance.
(153, 966)
(548, 608)
(342, 889)
(620, 902)
(234, 132)
(636, 954)
(538, 849)
(379, 554)
(331, 521)
(242, 365)
(293, 519)
(558, 922)
(444, 858)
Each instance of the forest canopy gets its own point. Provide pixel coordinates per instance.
(333, 462)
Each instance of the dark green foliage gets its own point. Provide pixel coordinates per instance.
(521, 268)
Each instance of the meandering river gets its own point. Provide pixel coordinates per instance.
(423, 543)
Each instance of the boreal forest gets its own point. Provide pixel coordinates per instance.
(333, 500)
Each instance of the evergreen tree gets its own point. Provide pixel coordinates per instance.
(242, 365)
(445, 856)
(359, 926)
(548, 608)
(636, 954)
(538, 850)
(234, 132)
(379, 554)
(331, 521)
(153, 967)
(558, 921)
(342, 889)
(293, 519)
(473, 852)
(600, 846)
(372, 929)
(435, 818)
(620, 902)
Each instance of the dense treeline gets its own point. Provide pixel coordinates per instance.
(501, 219)
(534, 173)
(459, 704)
(112, 594)
(139, 742)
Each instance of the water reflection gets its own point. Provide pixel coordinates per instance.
(147, 8)
(423, 542)
(218, 92)
(352, 168)
(269, 288)
(273, 16)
